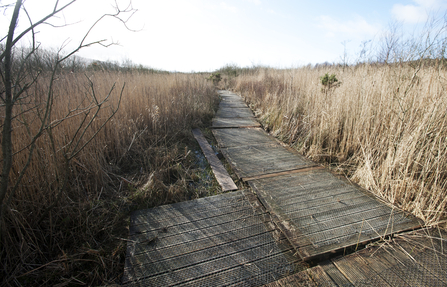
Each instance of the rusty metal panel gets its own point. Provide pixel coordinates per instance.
(221, 240)
(242, 137)
(255, 160)
(324, 213)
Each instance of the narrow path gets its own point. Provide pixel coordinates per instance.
(296, 213)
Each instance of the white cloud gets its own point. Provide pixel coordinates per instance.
(409, 13)
(418, 12)
(356, 29)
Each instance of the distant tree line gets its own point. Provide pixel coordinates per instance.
(43, 60)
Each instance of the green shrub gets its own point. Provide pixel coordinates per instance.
(215, 77)
(329, 81)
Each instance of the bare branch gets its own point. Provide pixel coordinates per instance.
(31, 28)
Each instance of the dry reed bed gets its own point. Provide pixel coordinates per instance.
(384, 126)
(75, 240)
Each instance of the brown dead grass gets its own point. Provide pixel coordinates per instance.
(141, 158)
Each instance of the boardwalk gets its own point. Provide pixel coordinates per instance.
(295, 215)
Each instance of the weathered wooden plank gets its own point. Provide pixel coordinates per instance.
(327, 212)
(344, 217)
(168, 239)
(178, 216)
(232, 104)
(212, 247)
(230, 199)
(298, 211)
(289, 172)
(407, 268)
(320, 277)
(192, 246)
(182, 222)
(396, 260)
(219, 170)
(358, 272)
(242, 137)
(431, 238)
(299, 279)
(372, 256)
(234, 113)
(219, 123)
(352, 235)
(230, 96)
(301, 206)
(335, 274)
(249, 161)
(255, 273)
(428, 254)
(242, 267)
(251, 248)
(311, 277)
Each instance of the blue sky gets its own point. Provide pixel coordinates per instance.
(204, 35)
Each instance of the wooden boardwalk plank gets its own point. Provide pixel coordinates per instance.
(336, 276)
(242, 137)
(311, 277)
(234, 113)
(232, 104)
(219, 123)
(169, 238)
(234, 240)
(358, 272)
(327, 213)
(255, 160)
(400, 262)
(198, 205)
(219, 170)
(234, 243)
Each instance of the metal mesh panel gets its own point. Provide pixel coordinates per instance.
(256, 160)
(228, 199)
(327, 212)
(172, 238)
(436, 262)
(175, 217)
(230, 244)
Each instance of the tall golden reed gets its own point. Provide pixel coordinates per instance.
(54, 233)
(385, 126)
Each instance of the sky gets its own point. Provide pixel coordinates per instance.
(205, 35)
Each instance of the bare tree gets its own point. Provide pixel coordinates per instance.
(390, 44)
(19, 76)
